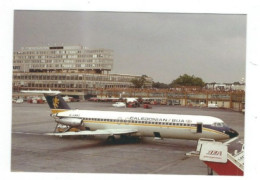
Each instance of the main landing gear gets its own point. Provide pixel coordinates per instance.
(123, 139)
(111, 139)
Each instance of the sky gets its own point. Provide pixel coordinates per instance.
(160, 45)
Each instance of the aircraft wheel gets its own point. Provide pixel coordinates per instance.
(124, 138)
(111, 139)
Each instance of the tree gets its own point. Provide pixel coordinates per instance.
(139, 82)
(159, 85)
(236, 83)
(186, 80)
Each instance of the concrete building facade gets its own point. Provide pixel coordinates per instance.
(71, 69)
(63, 59)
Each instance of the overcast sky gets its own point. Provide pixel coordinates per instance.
(160, 45)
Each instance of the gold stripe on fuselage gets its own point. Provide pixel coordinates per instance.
(156, 125)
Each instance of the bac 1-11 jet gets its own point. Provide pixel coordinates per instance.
(111, 123)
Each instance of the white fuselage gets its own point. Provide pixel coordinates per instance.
(150, 124)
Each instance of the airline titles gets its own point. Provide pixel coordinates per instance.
(158, 119)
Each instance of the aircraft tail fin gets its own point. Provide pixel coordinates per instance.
(54, 100)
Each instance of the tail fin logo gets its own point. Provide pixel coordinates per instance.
(55, 102)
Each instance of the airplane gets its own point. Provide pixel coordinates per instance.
(125, 124)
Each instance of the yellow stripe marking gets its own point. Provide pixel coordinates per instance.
(156, 125)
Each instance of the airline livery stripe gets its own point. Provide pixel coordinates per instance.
(136, 124)
(156, 125)
(214, 131)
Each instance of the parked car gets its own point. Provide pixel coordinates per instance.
(20, 100)
(147, 106)
(131, 105)
(212, 106)
(119, 104)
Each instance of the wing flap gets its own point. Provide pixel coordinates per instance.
(109, 132)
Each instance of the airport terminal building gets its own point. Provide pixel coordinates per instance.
(73, 70)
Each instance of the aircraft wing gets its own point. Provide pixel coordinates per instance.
(109, 132)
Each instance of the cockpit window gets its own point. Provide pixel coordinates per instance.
(218, 124)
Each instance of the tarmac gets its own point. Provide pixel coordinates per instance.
(32, 151)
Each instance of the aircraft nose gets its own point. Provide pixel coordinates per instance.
(232, 133)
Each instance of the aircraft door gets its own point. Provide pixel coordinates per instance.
(157, 135)
(199, 127)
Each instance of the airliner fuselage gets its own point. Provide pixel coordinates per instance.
(112, 123)
(153, 124)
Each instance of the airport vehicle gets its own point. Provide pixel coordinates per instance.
(130, 100)
(212, 106)
(147, 106)
(125, 124)
(67, 98)
(20, 100)
(216, 156)
(119, 104)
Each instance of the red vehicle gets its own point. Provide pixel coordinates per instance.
(216, 156)
(147, 106)
(131, 105)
